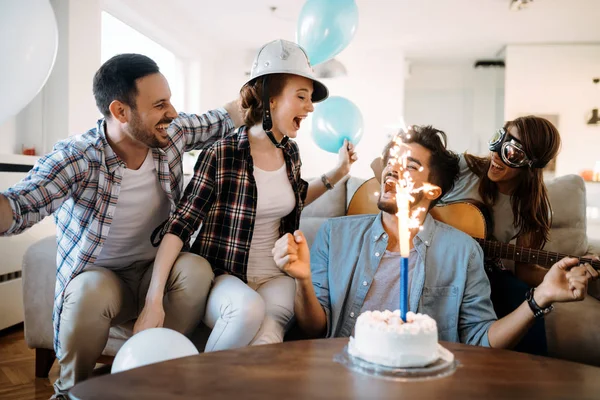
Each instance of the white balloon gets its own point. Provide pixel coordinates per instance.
(152, 346)
(28, 50)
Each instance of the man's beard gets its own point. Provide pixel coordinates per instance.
(140, 133)
(392, 207)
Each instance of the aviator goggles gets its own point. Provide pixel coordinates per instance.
(510, 150)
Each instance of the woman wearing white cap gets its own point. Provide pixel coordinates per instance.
(247, 192)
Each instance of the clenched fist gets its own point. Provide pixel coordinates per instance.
(566, 281)
(292, 256)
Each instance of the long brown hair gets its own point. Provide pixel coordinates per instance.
(530, 203)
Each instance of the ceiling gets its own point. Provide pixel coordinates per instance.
(422, 29)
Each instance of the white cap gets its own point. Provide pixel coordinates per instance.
(283, 57)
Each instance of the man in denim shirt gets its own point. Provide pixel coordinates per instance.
(354, 264)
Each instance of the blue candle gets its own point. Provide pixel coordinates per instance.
(403, 287)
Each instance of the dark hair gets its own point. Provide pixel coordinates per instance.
(116, 80)
(443, 163)
(252, 97)
(530, 203)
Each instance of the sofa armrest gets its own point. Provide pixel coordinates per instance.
(573, 333)
(39, 279)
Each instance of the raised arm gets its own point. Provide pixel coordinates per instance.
(54, 179)
(347, 157)
(201, 131)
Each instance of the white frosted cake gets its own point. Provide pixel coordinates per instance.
(381, 337)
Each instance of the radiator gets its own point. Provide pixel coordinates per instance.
(12, 169)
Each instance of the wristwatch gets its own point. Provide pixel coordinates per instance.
(538, 311)
(326, 182)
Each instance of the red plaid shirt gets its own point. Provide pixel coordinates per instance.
(222, 197)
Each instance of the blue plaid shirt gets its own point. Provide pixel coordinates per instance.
(80, 180)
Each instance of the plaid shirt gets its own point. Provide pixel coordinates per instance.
(222, 196)
(80, 180)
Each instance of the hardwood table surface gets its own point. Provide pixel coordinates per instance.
(305, 370)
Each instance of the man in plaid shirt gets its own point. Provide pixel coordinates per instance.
(108, 190)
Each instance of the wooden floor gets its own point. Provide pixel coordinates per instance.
(17, 362)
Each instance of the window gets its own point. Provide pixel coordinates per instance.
(118, 37)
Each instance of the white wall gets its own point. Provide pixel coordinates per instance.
(65, 106)
(464, 102)
(84, 61)
(221, 74)
(8, 135)
(375, 83)
(557, 79)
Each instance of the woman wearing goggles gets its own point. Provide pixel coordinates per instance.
(510, 150)
(510, 182)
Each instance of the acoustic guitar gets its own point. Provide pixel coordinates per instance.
(469, 218)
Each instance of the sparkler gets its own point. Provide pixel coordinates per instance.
(407, 220)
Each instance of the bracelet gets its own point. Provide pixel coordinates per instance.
(326, 182)
(538, 312)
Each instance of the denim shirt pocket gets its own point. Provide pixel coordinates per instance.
(441, 304)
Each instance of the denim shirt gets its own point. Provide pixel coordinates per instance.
(449, 283)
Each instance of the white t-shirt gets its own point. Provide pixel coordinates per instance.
(276, 199)
(142, 206)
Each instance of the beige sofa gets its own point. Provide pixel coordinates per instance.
(571, 328)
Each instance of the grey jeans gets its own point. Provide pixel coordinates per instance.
(99, 298)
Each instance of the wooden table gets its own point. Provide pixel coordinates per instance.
(305, 370)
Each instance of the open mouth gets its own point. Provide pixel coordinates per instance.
(390, 182)
(298, 120)
(162, 128)
(496, 166)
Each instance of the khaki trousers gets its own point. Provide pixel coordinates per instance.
(99, 298)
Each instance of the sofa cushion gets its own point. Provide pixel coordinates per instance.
(39, 278)
(567, 197)
(310, 226)
(331, 204)
(572, 331)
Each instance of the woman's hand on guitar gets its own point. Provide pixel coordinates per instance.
(566, 281)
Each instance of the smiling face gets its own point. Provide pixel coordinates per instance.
(499, 171)
(418, 168)
(148, 121)
(290, 107)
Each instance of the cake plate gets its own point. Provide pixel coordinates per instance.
(444, 366)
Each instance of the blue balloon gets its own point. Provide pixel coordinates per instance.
(326, 27)
(334, 120)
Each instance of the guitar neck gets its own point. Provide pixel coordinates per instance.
(544, 258)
